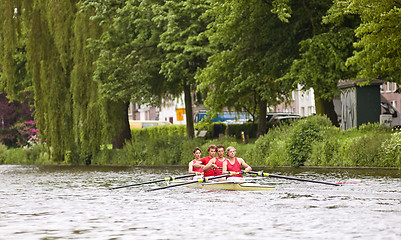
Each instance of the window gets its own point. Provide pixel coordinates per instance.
(389, 86)
(394, 103)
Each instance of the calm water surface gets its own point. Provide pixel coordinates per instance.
(48, 202)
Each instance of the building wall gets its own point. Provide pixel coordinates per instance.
(306, 102)
(387, 90)
(302, 102)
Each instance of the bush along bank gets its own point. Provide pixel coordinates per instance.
(315, 142)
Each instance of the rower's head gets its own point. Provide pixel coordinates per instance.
(197, 152)
(211, 150)
(220, 151)
(231, 151)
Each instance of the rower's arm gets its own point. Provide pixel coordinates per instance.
(209, 165)
(246, 167)
(197, 164)
(190, 167)
(225, 168)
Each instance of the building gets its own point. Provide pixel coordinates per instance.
(392, 93)
(302, 102)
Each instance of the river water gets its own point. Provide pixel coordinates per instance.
(65, 202)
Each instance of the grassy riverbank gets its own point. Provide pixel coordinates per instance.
(309, 142)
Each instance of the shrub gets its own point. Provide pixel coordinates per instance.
(20, 135)
(3, 150)
(325, 152)
(235, 130)
(301, 137)
(271, 149)
(390, 154)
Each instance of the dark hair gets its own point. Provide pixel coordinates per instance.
(220, 146)
(211, 147)
(196, 149)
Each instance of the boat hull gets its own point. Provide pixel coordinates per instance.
(233, 186)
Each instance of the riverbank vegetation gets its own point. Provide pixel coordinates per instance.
(81, 63)
(313, 141)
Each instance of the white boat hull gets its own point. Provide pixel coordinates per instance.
(233, 186)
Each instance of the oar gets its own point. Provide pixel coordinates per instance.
(155, 181)
(261, 173)
(204, 179)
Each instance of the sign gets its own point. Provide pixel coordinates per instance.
(180, 114)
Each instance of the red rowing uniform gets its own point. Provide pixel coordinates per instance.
(219, 171)
(236, 167)
(205, 161)
(196, 169)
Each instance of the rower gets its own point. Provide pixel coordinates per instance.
(204, 161)
(217, 163)
(195, 166)
(234, 164)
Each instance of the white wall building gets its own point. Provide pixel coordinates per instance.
(173, 111)
(305, 102)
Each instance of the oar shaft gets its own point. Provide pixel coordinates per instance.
(291, 178)
(303, 180)
(155, 181)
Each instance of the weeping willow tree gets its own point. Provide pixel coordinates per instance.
(71, 115)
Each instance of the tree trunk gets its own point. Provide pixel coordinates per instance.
(118, 117)
(262, 124)
(188, 110)
(324, 107)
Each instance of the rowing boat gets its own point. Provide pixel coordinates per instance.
(227, 185)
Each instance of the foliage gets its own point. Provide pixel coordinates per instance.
(139, 134)
(169, 146)
(3, 150)
(390, 154)
(33, 155)
(149, 150)
(253, 50)
(249, 129)
(235, 130)
(378, 46)
(44, 51)
(270, 149)
(22, 134)
(303, 135)
(15, 111)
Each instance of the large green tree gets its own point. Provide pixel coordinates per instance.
(378, 47)
(151, 50)
(322, 62)
(255, 46)
(185, 49)
(68, 108)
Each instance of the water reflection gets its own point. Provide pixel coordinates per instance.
(63, 202)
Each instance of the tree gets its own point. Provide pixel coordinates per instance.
(68, 109)
(255, 48)
(150, 50)
(322, 62)
(128, 63)
(378, 47)
(185, 50)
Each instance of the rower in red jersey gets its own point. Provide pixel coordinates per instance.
(193, 169)
(217, 163)
(234, 164)
(204, 161)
